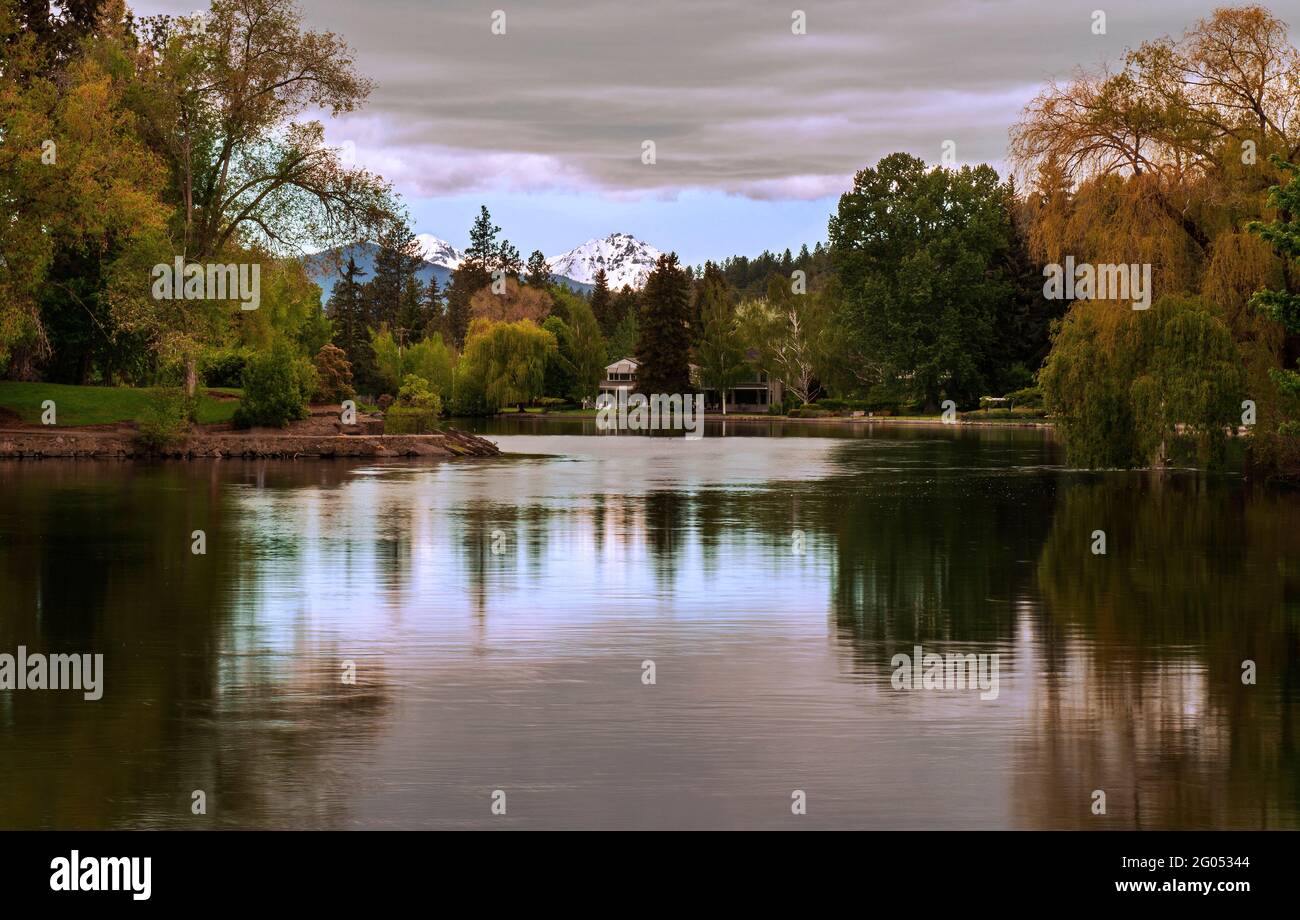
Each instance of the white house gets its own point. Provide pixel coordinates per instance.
(753, 394)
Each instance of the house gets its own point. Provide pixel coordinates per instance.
(755, 393)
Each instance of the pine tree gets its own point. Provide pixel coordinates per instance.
(508, 261)
(394, 288)
(348, 311)
(539, 273)
(664, 347)
(482, 252)
(602, 304)
(482, 256)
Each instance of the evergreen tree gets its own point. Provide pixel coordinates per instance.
(602, 303)
(508, 260)
(664, 346)
(539, 273)
(482, 256)
(482, 251)
(394, 289)
(348, 313)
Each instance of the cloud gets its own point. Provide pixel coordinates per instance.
(733, 100)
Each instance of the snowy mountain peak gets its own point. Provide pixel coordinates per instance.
(625, 259)
(439, 252)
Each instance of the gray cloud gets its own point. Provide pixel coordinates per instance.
(733, 100)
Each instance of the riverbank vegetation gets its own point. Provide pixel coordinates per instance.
(130, 143)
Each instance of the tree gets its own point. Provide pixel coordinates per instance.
(721, 356)
(507, 361)
(582, 351)
(508, 261)
(663, 349)
(517, 302)
(395, 293)
(922, 258)
(347, 310)
(539, 273)
(602, 302)
(1125, 394)
(333, 374)
(471, 276)
(1283, 306)
(220, 101)
(79, 190)
(785, 330)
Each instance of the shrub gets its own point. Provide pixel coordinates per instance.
(333, 375)
(384, 402)
(417, 408)
(277, 388)
(222, 367)
(1029, 398)
(165, 422)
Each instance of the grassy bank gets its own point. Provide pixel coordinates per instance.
(76, 405)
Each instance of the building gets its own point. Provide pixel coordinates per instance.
(755, 393)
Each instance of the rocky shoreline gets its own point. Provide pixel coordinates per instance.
(92, 444)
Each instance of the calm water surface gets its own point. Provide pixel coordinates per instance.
(770, 576)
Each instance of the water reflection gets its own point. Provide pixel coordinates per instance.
(498, 614)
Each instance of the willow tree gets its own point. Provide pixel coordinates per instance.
(1165, 384)
(1161, 160)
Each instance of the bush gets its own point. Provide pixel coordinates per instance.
(222, 368)
(165, 422)
(417, 408)
(407, 420)
(333, 375)
(277, 388)
(1029, 398)
(384, 402)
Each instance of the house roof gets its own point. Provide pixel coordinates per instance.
(622, 366)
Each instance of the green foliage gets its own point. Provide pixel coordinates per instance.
(1130, 394)
(923, 260)
(720, 354)
(222, 367)
(165, 423)
(432, 360)
(333, 375)
(278, 384)
(575, 368)
(1283, 306)
(416, 410)
(503, 364)
(663, 349)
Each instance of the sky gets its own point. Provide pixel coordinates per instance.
(756, 130)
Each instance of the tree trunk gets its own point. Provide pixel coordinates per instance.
(191, 375)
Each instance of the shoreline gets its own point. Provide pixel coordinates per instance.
(831, 419)
(99, 444)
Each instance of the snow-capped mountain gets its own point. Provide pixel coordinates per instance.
(626, 260)
(439, 252)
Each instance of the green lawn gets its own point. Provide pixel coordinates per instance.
(101, 405)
